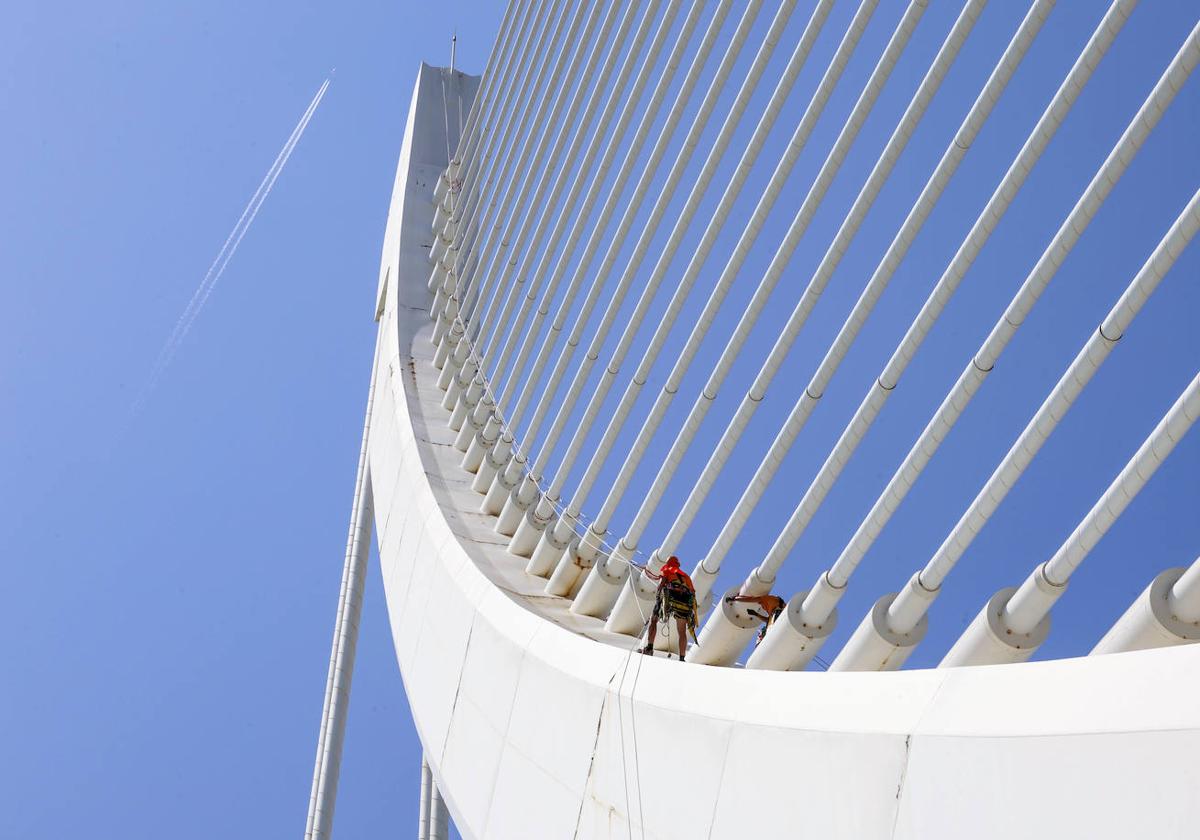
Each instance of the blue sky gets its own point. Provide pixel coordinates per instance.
(171, 576)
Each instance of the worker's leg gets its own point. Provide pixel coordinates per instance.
(681, 625)
(653, 631)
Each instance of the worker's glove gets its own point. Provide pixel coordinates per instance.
(729, 599)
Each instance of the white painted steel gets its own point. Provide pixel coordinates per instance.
(1052, 410)
(520, 228)
(485, 253)
(426, 793)
(453, 248)
(908, 608)
(625, 614)
(515, 62)
(721, 640)
(439, 816)
(502, 452)
(519, 69)
(527, 712)
(632, 206)
(1047, 126)
(486, 437)
(498, 64)
(540, 516)
(487, 319)
(394, 258)
(332, 733)
(1166, 613)
(1184, 596)
(1125, 487)
(516, 135)
(1019, 613)
(537, 154)
(599, 225)
(497, 75)
(596, 597)
(866, 197)
(875, 645)
(498, 121)
(596, 135)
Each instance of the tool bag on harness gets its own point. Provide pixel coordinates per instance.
(676, 600)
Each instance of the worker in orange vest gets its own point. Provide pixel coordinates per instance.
(675, 598)
(772, 607)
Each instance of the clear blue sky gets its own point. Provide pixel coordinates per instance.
(171, 576)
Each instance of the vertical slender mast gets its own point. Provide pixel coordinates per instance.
(423, 807)
(345, 640)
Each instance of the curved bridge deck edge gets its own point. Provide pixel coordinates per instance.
(538, 723)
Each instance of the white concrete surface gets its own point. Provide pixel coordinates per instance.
(537, 723)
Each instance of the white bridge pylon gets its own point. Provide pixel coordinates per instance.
(520, 512)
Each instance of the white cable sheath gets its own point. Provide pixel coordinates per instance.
(498, 77)
(499, 126)
(602, 586)
(700, 252)
(723, 636)
(454, 248)
(623, 105)
(541, 514)
(906, 610)
(599, 226)
(468, 284)
(706, 571)
(626, 613)
(683, 220)
(858, 114)
(699, 187)
(956, 401)
(617, 241)
(1014, 623)
(486, 436)
(520, 228)
(483, 190)
(478, 417)
(1092, 355)
(1112, 504)
(891, 54)
(910, 605)
(502, 451)
(473, 304)
(533, 158)
(1039, 138)
(469, 138)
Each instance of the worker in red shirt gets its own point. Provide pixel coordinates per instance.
(675, 598)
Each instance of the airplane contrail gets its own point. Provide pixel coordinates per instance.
(209, 281)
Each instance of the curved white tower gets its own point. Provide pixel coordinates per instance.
(537, 714)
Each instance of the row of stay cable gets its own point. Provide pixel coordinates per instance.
(455, 330)
(507, 239)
